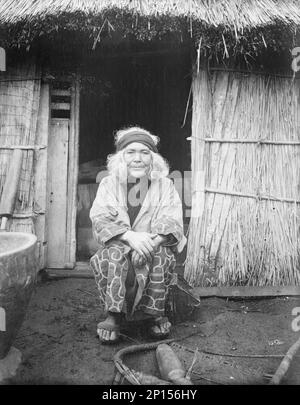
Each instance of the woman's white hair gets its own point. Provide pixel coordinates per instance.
(117, 166)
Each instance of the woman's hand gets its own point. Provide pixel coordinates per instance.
(158, 240)
(137, 260)
(141, 242)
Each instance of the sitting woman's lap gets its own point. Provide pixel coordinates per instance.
(113, 272)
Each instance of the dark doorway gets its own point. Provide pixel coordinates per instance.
(150, 91)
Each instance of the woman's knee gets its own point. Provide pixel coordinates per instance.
(165, 251)
(113, 251)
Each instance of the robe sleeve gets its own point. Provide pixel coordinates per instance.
(169, 217)
(105, 215)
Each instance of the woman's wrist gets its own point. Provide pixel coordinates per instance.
(161, 239)
(124, 236)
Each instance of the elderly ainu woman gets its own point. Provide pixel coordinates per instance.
(137, 220)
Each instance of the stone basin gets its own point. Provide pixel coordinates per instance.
(18, 272)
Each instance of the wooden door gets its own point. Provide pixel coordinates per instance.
(62, 172)
(57, 193)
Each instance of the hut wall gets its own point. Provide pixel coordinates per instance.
(244, 228)
(20, 107)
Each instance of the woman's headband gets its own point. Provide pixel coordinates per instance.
(136, 137)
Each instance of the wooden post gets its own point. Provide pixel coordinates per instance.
(199, 152)
(246, 291)
(73, 175)
(40, 173)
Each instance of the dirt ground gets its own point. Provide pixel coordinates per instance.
(59, 344)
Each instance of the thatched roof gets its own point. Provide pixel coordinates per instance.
(233, 14)
(224, 26)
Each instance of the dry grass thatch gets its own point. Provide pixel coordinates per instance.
(226, 28)
(234, 14)
(245, 225)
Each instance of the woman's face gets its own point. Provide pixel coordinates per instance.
(138, 159)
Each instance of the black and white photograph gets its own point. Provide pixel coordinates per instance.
(149, 195)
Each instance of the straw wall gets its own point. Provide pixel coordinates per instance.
(19, 104)
(244, 228)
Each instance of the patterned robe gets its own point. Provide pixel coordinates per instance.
(160, 213)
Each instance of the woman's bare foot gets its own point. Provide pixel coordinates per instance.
(160, 327)
(109, 330)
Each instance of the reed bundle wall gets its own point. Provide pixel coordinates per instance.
(19, 105)
(244, 228)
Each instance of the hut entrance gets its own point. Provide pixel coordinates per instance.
(148, 91)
